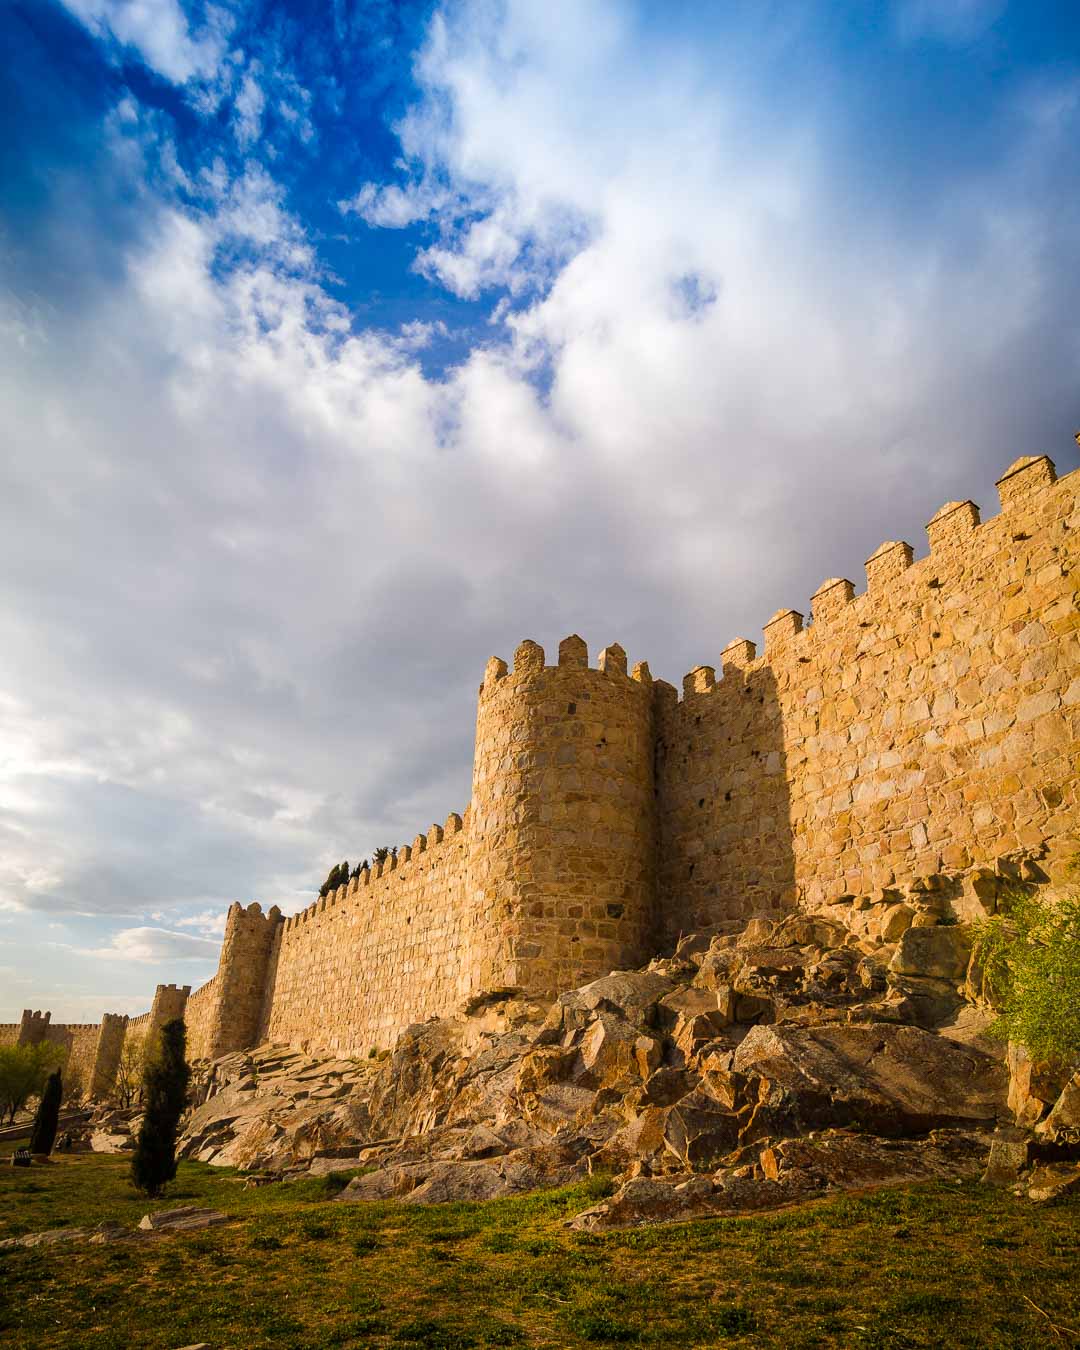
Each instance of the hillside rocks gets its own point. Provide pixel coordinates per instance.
(745, 1071)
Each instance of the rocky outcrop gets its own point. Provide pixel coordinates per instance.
(745, 1071)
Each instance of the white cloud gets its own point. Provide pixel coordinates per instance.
(248, 107)
(211, 922)
(254, 558)
(156, 945)
(159, 32)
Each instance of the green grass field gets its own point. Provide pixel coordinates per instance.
(939, 1265)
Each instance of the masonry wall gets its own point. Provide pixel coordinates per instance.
(80, 1041)
(355, 968)
(931, 723)
(563, 850)
(200, 1016)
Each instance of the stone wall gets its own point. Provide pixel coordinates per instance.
(393, 947)
(931, 723)
(80, 1042)
(200, 1015)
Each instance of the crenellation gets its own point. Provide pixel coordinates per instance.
(781, 630)
(612, 660)
(952, 525)
(931, 722)
(699, 681)
(887, 563)
(737, 655)
(573, 652)
(528, 658)
(830, 599)
(1024, 478)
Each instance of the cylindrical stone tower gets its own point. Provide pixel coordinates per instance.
(563, 817)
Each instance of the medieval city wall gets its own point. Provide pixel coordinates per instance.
(199, 1016)
(930, 724)
(392, 947)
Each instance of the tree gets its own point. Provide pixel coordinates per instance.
(337, 876)
(43, 1134)
(129, 1070)
(165, 1081)
(1030, 954)
(380, 855)
(23, 1071)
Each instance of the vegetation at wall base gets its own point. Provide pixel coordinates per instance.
(1030, 954)
(944, 1264)
(165, 1081)
(23, 1071)
(43, 1133)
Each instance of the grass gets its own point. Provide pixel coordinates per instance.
(933, 1265)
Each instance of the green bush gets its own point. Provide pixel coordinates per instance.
(1030, 954)
(23, 1071)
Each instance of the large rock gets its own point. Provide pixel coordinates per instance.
(632, 994)
(181, 1219)
(1034, 1085)
(892, 1080)
(939, 953)
(1063, 1123)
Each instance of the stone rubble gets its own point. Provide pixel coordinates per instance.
(746, 1071)
(181, 1219)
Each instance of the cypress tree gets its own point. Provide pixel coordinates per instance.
(165, 1080)
(43, 1133)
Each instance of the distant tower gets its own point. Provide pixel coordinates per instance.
(563, 817)
(240, 988)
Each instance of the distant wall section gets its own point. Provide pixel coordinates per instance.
(355, 968)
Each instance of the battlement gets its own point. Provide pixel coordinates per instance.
(573, 655)
(928, 722)
(954, 531)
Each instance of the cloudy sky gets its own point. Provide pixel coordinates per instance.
(345, 343)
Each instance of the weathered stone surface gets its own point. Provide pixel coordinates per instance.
(1033, 1085)
(1063, 1122)
(665, 1076)
(894, 1080)
(181, 1219)
(1053, 1181)
(936, 953)
(1008, 1157)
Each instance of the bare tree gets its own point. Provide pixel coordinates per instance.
(129, 1071)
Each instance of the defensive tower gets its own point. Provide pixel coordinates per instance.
(563, 816)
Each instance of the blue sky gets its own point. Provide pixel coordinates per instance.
(343, 345)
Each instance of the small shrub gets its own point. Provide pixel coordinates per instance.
(733, 1319)
(1030, 953)
(599, 1186)
(265, 1242)
(601, 1326)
